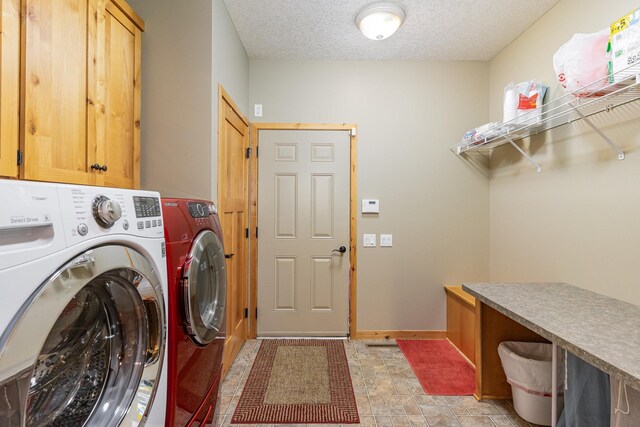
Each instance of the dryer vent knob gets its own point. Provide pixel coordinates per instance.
(106, 211)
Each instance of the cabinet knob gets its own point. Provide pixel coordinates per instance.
(97, 167)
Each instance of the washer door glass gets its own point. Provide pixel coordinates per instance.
(86, 350)
(205, 288)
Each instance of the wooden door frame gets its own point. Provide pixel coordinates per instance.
(253, 213)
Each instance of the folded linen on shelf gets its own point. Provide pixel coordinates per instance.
(486, 131)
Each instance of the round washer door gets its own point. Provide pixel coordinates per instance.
(87, 349)
(205, 288)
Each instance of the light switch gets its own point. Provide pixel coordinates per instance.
(386, 240)
(369, 240)
(257, 110)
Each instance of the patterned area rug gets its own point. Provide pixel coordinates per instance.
(298, 382)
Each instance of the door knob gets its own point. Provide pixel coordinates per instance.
(341, 249)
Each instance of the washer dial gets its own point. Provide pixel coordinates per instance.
(106, 211)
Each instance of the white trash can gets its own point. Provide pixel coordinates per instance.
(527, 366)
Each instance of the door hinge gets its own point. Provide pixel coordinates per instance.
(257, 151)
(256, 312)
(20, 157)
(246, 313)
(256, 232)
(248, 152)
(246, 233)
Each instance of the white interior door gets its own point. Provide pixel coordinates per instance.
(303, 219)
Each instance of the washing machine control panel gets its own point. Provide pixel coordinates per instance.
(90, 212)
(146, 206)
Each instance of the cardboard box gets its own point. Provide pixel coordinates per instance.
(624, 45)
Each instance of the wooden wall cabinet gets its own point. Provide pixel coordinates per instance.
(9, 86)
(80, 115)
(123, 50)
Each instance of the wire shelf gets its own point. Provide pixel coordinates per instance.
(591, 99)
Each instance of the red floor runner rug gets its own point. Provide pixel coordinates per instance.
(440, 368)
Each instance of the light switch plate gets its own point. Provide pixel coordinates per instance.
(369, 240)
(386, 240)
(257, 110)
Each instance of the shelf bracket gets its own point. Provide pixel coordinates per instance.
(599, 132)
(528, 157)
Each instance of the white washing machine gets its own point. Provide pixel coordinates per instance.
(82, 306)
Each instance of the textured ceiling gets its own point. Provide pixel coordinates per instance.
(443, 30)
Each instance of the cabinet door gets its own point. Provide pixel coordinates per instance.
(120, 151)
(9, 86)
(59, 71)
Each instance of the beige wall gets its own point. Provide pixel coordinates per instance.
(231, 70)
(578, 220)
(434, 204)
(177, 97)
(186, 52)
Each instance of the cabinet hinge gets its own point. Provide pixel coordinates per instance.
(248, 152)
(20, 157)
(246, 233)
(246, 313)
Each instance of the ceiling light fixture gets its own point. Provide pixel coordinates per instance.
(380, 20)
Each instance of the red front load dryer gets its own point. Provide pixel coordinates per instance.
(197, 299)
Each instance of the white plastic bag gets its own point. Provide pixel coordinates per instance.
(582, 61)
(527, 366)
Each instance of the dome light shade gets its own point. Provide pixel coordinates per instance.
(380, 20)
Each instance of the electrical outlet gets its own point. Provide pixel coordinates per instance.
(369, 240)
(386, 240)
(257, 110)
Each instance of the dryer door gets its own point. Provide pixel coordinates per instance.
(87, 349)
(205, 288)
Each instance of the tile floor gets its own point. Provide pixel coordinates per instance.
(387, 392)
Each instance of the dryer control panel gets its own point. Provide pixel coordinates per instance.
(201, 210)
